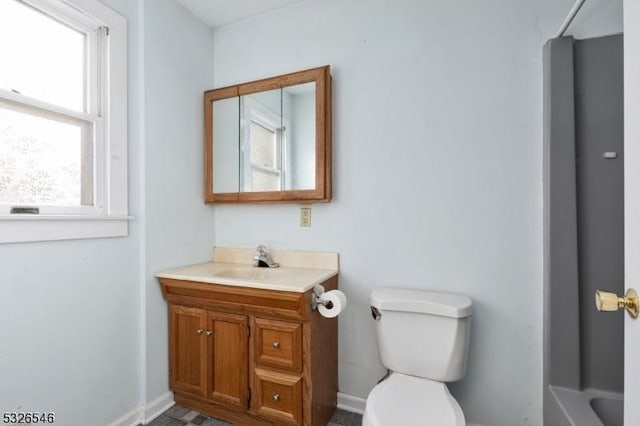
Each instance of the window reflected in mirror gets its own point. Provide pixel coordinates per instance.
(277, 139)
(262, 142)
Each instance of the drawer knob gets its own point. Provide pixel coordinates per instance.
(276, 397)
(276, 345)
(199, 331)
(209, 332)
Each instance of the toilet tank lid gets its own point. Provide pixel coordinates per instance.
(427, 302)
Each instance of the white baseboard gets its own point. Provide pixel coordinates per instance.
(355, 404)
(146, 414)
(158, 406)
(132, 418)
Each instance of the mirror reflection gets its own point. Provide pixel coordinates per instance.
(277, 139)
(226, 161)
(302, 110)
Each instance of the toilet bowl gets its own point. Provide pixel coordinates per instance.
(411, 401)
(423, 340)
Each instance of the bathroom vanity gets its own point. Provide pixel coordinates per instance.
(246, 344)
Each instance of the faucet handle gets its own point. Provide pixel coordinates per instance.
(261, 249)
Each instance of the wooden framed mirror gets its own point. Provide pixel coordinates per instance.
(269, 141)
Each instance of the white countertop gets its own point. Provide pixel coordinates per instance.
(288, 277)
(284, 279)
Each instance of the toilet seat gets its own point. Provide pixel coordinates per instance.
(411, 401)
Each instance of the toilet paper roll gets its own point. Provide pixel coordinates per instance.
(338, 303)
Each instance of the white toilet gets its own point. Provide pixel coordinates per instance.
(423, 340)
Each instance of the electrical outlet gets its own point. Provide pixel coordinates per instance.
(305, 216)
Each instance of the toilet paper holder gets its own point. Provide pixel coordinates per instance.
(315, 298)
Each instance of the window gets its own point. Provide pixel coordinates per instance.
(264, 148)
(63, 122)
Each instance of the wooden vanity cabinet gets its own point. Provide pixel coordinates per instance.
(251, 356)
(208, 352)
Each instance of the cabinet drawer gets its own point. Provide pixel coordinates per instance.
(278, 344)
(278, 396)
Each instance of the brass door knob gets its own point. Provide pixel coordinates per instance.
(608, 302)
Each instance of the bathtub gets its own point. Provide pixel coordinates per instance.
(589, 407)
(583, 236)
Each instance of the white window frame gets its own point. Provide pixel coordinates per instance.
(106, 110)
(258, 113)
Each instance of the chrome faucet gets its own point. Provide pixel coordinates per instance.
(263, 259)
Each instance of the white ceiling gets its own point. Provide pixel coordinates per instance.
(216, 13)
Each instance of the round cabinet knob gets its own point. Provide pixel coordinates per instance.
(199, 331)
(209, 332)
(276, 397)
(276, 345)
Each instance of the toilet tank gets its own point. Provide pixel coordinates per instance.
(422, 333)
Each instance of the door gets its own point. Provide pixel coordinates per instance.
(187, 349)
(228, 346)
(632, 204)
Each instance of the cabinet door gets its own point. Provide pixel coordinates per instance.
(187, 349)
(228, 346)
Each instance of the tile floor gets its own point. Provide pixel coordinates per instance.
(180, 416)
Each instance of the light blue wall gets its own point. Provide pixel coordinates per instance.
(71, 310)
(84, 324)
(179, 227)
(437, 122)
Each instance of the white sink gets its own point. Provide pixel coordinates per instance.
(253, 274)
(299, 271)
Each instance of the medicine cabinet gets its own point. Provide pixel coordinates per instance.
(269, 141)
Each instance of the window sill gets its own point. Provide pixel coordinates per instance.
(26, 228)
